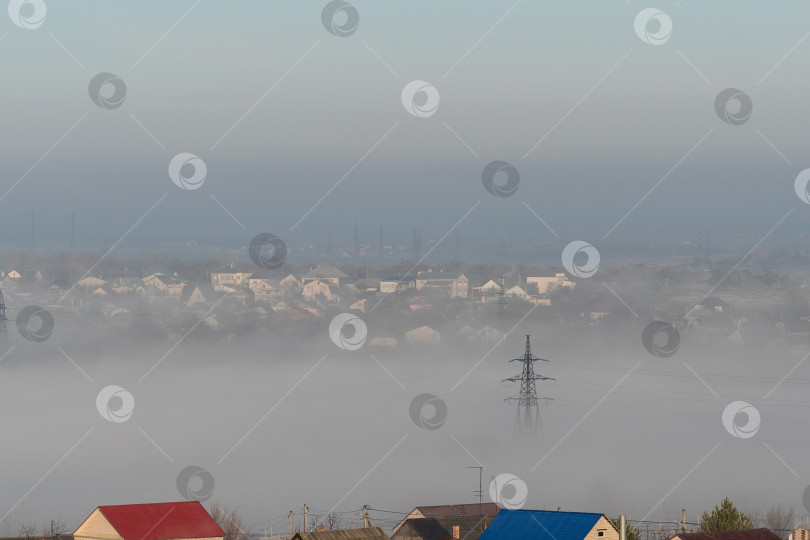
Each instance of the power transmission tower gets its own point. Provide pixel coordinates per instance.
(3, 329)
(417, 244)
(528, 413)
(501, 308)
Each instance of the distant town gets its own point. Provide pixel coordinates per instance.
(424, 305)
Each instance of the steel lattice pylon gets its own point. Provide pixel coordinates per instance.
(528, 412)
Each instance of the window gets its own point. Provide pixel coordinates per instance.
(600, 533)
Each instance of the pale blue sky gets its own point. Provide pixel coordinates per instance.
(529, 74)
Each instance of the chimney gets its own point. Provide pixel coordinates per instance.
(456, 532)
(622, 527)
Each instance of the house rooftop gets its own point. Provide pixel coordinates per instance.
(326, 271)
(158, 521)
(541, 525)
(370, 533)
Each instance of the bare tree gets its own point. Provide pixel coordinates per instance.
(780, 521)
(331, 521)
(28, 529)
(230, 521)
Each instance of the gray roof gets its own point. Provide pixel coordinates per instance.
(432, 528)
(439, 275)
(325, 272)
(370, 533)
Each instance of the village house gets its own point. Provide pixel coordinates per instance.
(442, 528)
(424, 335)
(546, 283)
(550, 525)
(161, 281)
(263, 291)
(188, 520)
(290, 282)
(230, 276)
(455, 284)
(90, 283)
(326, 274)
(488, 510)
(368, 533)
(313, 288)
(194, 294)
(396, 285)
(490, 287)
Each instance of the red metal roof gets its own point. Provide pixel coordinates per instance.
(161, 521)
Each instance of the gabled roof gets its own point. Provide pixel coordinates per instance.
(424, 528)
(160, 521)
(540, 525)
(441, 528)
(326, 271)
(489, 509)
(370, 533)
(750, 534)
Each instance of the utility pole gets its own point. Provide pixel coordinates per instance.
(366, 523)
(528, 413)
(3, 329)
(480, 491)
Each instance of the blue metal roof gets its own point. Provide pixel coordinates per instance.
(540, 525)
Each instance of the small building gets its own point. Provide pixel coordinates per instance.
(314, 288)
(327, 274)
(230, 276)
(161, 281)
(396, 285)
(442, 528)
(90, 283)
(360, 305)
(198, 294)
(455, 284)
(186, 520)
(550, 525)
(290, 282)
(546, 283)
(488, 510)
(749, 534)
(424, 335)
(369, 533)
